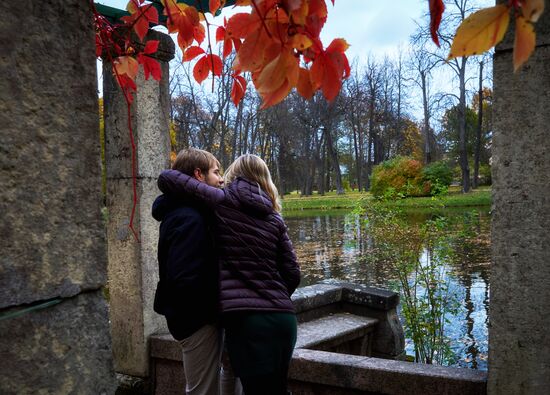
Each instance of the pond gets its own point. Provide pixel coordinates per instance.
(337, 245)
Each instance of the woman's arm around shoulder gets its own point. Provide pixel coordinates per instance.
(180, 184)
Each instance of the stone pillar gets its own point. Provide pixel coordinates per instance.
(519, 338)
(133, 268)
(54, 328)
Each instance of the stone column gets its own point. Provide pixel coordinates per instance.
(133, 268)
(519, 338)
(54, 328)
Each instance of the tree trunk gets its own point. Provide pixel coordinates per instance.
(321, 160)
(333, 154)
(358, 157)
(427, 149)
(479, 126)
(462, 137)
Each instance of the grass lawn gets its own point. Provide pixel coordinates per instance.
(332, 201)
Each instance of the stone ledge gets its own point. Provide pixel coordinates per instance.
(164, 346)
(333, 330)
(374, 375)
(315, 296)
(330, 292)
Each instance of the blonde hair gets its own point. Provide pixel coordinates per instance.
(254, 169)
(189, 159)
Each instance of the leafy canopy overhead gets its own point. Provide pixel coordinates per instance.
(278, 42)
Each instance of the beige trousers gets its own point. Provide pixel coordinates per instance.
(201, 361)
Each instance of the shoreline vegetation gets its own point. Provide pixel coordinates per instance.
(293, 202)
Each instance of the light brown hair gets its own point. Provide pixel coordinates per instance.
(189, 159)
(254, 169)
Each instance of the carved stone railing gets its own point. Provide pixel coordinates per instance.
(350, 341)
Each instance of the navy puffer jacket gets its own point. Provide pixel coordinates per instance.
(258, 268)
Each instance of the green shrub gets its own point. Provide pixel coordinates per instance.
(399, 177)
(439, 175)
(346, 185)
(484, 174)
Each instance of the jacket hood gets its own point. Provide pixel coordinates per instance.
(251, 197)
(166, 203)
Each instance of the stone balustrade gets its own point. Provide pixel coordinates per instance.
(350, 341)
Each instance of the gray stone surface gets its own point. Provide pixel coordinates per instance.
(333, 296)
(315, 296)
(52, 235)
(375, 298)
(333, 330)
(150, 122)
(63, 349)
(374, 375)
(519, 340)
(133, 267)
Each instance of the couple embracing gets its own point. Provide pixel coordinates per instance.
(225, 261)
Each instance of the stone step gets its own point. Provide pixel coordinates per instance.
(333, 330)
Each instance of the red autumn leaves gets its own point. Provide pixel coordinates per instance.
(119, 49)
(277, 42)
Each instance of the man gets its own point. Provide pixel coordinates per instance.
(187, 293)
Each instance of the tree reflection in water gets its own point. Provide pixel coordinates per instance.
(336, 245)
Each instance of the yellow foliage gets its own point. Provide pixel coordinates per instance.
(480, 31)
(524, 41)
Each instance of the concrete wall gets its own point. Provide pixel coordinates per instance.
(52, 237)
(133, 268)
(519, 339)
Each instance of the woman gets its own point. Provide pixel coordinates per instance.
(258, 270)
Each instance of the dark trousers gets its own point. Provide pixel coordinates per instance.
(260, 347)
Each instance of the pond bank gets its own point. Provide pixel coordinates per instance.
(350, 200)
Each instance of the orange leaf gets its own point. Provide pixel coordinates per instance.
(216, 65)
(242, 24)
(199, 33)
(301, 42)
(192, 52)
(141, 16)
(213, 6)
(273, 75)
(133, 6)
(126, 65)
(317, 73)
(227, 47)
(524, 42)
(480, 31)
(238, 90)
(151, 47)
(298, 10)
(332, 81)
(338, 45)
(220, 34)
(150, 66)
(201, 69)
(304, 87)
(532, 9)
(277, 96)
(251, 54)
(436, 11)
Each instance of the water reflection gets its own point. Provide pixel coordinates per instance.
(336, 245)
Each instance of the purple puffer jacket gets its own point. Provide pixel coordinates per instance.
(258, 268)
